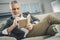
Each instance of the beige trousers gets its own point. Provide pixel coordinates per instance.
(41, 28)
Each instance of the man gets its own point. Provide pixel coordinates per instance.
(35, 29)
(11, 27)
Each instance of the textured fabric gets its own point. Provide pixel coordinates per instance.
(35, 38)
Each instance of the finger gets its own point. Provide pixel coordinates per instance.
(18, 18)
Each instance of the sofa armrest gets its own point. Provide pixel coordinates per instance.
(34, 38)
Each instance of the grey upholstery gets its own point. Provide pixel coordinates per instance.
(7, 38)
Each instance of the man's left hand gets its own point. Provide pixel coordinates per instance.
(29, 26)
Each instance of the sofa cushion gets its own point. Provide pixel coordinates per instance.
(7, 38)
(35, 38)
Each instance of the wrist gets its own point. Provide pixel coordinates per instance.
(33, 24)
(13, 25)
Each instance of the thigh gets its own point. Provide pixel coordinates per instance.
(39, 29)
(18, 33)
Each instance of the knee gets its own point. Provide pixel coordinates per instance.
(50, 16)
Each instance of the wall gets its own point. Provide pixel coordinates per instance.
(47, 8)
(56, 6)
(34, 6)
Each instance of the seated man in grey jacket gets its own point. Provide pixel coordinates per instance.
(35, 28)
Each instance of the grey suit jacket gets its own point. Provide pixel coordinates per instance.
(11, 19)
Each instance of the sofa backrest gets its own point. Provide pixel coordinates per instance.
(42, 16)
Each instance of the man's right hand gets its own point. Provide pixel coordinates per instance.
(16, 20)
(15, 23)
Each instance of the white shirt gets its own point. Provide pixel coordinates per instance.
(5, 31)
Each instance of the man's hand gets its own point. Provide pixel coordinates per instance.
(16, 20)
(29, 26)
(15, 23)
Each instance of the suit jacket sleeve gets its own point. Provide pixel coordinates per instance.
(34, 20)
(8, 24)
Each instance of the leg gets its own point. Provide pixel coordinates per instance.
(50, 30)
(18, 34)
(40, 29)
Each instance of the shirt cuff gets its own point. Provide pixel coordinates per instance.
(5, 31)
(25, 30)
(36, 22)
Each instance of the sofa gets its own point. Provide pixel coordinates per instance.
(39, 16)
